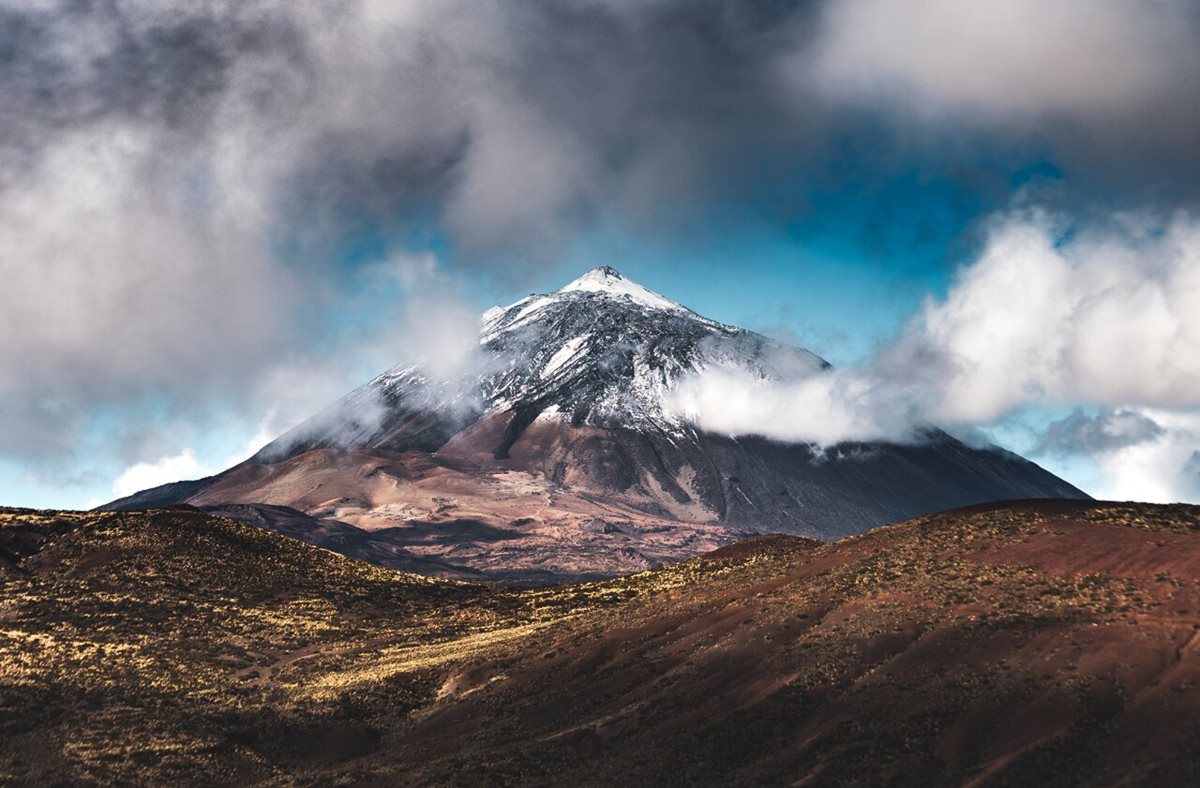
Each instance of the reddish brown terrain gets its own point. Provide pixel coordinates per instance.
(460, 516)
(1022, 644)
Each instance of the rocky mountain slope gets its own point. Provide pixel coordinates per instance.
(554, 453)
(1039, 643)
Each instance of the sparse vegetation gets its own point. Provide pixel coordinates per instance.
(1023, 643)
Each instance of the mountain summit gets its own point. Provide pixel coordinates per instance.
(554, 454)
(608, 280)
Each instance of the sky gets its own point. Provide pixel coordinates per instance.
(217, 217)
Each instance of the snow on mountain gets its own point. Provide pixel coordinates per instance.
(564, 355)
(608, 281)
(606, 351)
(602, 351)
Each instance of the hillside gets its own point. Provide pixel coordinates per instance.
(1039, 642)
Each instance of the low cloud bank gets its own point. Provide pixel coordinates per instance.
(1048, 314)
(824, 408)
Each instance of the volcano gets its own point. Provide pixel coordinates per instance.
(555, 454)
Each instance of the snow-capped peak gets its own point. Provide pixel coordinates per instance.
(602, 351)
(609, 281)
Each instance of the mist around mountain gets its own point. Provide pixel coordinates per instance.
(557, 450)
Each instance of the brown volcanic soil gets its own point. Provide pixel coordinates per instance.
(461, 515)
(1032, 643)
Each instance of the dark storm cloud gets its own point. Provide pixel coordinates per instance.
(514, 123)
(508, 118)
(70, 65)
(178, 177)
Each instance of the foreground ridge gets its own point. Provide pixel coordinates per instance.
(1041, 641)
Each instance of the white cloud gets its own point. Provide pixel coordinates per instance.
(144, 475)
(1102, 315)
(113, 287)
(1164, 467)
(175, 178)
(185, 465)
(436, 328)
(814, 407)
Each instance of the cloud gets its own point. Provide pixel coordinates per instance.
(821, 407)
(1047, 314)
(436, 329)
(1008, 61)
(1081, 433)
(1108, 87)
(112, 289)
(1146, 455)
(145, 475)
(421, 320)
(184, 465)
(1101, 314)
(180, 182)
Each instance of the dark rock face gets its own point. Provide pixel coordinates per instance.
(572, 388)
(772, 487)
